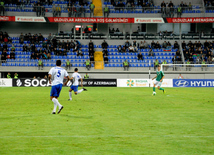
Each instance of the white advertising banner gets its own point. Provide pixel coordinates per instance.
(142, 83)
(5, 82)
(29, 19)
(148, 20)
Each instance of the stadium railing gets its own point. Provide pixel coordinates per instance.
(188, 67)
(137, 11)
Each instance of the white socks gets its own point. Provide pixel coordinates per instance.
(70, 95)
(79, 91)
(56, 103)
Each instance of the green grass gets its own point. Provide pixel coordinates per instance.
(108, 121)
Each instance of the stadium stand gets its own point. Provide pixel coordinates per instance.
(115, 8)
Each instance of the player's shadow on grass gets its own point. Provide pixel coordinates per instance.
(72, 116)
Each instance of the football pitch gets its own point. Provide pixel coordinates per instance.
(107, 121)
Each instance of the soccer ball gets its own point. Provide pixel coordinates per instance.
(154, 93)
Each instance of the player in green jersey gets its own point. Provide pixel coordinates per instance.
(158, 81)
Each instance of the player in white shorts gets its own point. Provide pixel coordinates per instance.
(74, 87)
(55, 77)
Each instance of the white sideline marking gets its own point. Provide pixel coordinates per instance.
(106, 136)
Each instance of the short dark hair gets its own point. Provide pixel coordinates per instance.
(58, 63)
(76, 69)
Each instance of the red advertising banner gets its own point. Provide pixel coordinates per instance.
(90, 20)
(191, 20)
(7, 18)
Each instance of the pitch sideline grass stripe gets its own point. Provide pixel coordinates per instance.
(98, 136)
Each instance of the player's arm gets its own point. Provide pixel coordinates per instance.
(49, 78)
(161, 79)
(67, 79)
(81, 82)
(154, 77)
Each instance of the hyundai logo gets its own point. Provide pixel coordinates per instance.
(181, 83)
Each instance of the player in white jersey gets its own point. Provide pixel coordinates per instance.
(75, 77)
(55, 77)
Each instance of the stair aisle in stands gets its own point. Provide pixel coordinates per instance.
(98, 11)
(98, 58)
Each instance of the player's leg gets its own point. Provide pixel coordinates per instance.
(59, 88)
(70, 94)
(76, 91)
(52, 99)
(159, 87)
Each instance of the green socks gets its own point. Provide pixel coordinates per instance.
(161, 89)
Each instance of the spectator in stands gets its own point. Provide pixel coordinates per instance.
(176, 46)
(179, 11)
(126, 65)
(12, 55)
(124, 50)
(120, 6)
(32, 56)
(172, 11)
(92, 6)
(156, 64)
(157, 45)
(38, 10)
(141, 45)
(40, 64)
(127, 44)
(135, 48)
(117, 30)
(91, 51)
(140, 56)
(54, 10)
(2, 8)
(190, 6)
(88, 64)
(105, 52)
(104, 44)
(106, 11)
(68, 64)
(82, 11)
(131, 48)
(151, 53)
(58, 10)
(128, 6)
(164, 66)
(203, 66)
(13, 48)
(163, 8)
(43, 11)
(4, 55)
(119, 48)
(106, 59)
(152, 44)
(180, 76)
(91, 56)
(91, 44)
(134, 43)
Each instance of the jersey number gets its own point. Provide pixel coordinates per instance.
(59, 73)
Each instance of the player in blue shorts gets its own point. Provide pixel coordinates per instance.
(75, 77)
(55, 77)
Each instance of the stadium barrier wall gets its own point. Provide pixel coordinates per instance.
(5, 82)
(142, 83)
(193, 82)
(111, 83)
(44, 83)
